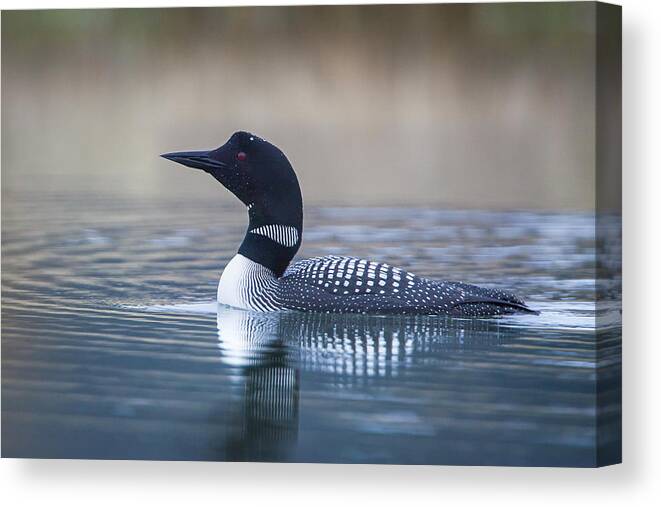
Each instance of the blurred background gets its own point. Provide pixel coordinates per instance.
(472, 106)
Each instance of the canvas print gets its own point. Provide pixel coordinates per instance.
(385, 234)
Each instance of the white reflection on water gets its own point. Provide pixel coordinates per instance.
(269, 351)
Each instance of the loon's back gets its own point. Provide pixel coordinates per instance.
(351, 285)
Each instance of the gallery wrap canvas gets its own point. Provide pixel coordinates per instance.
(383, 234)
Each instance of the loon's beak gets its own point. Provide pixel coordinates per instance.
(195, 159)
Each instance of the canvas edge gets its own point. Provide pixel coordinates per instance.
(608, 233)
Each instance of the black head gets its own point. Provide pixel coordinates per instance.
(260, 175)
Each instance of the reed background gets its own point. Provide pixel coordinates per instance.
(480, 105)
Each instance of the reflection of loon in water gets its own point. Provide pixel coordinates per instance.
(269, 350)
(259, 276)
(266, 424)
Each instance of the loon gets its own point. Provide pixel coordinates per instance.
(260, 278)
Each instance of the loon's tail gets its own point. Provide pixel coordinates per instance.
(478, 301)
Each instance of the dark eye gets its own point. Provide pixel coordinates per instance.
(241, 156)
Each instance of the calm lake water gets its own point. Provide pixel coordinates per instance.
(113, 346)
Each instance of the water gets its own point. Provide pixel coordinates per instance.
(112, 345)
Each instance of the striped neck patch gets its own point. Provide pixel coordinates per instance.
(284, 235)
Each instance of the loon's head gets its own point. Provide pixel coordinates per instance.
(260, 175)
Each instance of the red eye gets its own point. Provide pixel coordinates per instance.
(241, 156)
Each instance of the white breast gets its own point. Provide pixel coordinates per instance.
(248, 285)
